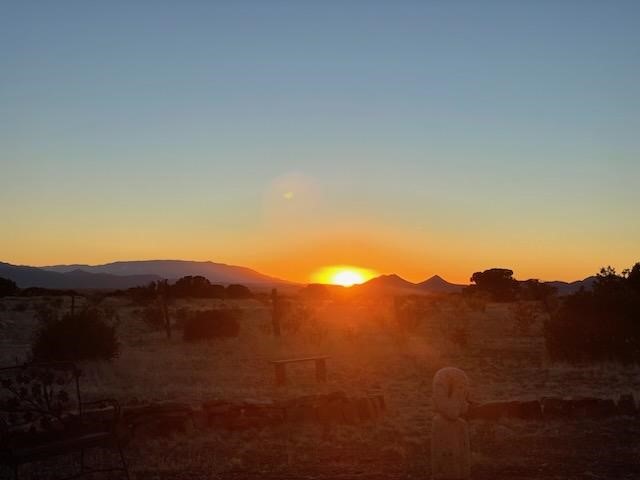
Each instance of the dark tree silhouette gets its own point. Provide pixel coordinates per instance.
(238, 291)
(197, 287)
(601, 324)
(533, 289)
(498, 282)
(7, 287)
(83, 336)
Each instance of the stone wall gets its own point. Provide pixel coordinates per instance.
(167, 418)
(555, 408)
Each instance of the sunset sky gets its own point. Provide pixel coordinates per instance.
(405, 137)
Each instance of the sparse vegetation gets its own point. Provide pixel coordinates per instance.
(601, 324)
(83, 336)
(238, 292)
(367, 349)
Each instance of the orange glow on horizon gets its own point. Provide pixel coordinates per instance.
(344, 275)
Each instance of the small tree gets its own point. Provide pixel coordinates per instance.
(498, 282)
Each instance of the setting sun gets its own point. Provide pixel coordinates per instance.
(344, 275)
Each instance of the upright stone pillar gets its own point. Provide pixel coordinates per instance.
(450, 451)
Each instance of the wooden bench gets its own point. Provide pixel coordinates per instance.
(42, 415)
(281, 365)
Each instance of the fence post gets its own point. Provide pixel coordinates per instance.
(276, 312)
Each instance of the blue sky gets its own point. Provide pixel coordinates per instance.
(460, 134)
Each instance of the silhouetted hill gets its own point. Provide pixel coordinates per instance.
(26, 276)
(174, 269)
(437, 284)
(389, 284)
(567, 288)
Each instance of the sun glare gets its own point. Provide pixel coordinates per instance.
(344, 275)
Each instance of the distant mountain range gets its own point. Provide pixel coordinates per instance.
(567, 288)
(394, 284)
(131, 274)
(128, 274)
(26, 276)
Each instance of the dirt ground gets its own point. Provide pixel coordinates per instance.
(504, 360)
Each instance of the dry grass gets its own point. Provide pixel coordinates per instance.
(367, 352)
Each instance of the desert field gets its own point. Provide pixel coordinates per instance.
(504, 359)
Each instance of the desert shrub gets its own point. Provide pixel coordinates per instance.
(598, 325)
(143, 295)
(209, 324)
(238, 291)
(196, 287)
(83, 336)
(7, 287)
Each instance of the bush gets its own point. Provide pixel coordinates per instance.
(196, 287)
(7, 287)
(208, 324)
(601, 324)
(83, 336)
(238, 291)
